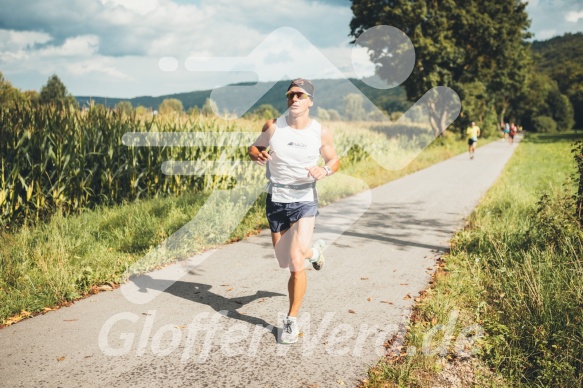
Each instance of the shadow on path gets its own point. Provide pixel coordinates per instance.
(200, 293)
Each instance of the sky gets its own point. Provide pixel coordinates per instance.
(130, 48)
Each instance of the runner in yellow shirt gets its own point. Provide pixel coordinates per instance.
(472, 133)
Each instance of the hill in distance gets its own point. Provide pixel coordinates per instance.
(329, 94)
(561, 58)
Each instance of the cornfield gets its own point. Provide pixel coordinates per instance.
(59, 159)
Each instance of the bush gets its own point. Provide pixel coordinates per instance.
(544, 124)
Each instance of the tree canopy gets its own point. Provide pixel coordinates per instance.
(457, 43)
(561, 59)
(170, 105)
(55, 91)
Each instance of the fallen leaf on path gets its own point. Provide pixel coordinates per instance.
(386, 301)
(404, 284)
(70, 320)
(407, 297)
(369, 298)
(340, 382)
(352, 311)
(363, 278)
(61, 358)
(230, 289)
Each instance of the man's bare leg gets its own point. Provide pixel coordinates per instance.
(292, 248)
(296, 287)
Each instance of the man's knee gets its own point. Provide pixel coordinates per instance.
(297, 260)
(297, 267)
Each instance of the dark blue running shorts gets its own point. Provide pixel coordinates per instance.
(281, 215)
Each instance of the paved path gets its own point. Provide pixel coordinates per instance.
(175, 335)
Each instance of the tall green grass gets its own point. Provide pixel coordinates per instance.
(516, 270)
(530, 249)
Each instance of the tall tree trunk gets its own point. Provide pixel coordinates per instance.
(436, 120)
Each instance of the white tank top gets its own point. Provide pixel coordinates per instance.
(292, 150)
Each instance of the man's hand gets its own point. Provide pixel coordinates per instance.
(316, 172)
(259, 156)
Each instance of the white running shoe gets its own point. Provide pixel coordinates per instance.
(320, 245)
(290, 331)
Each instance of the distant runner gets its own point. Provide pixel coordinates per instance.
(472, 133)
(295, 144)
(511, 133)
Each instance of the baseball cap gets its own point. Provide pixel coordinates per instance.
(305, 84)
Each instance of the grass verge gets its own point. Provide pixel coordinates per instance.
(504, 308)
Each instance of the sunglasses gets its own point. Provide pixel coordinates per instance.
(300, 95)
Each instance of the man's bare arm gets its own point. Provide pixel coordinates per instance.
(328, 152)
(258, 150)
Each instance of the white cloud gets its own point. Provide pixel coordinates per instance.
(574, 16)
(97, 66)
(548, 17)
(11, 40)
(113, 47)
(141, 7)
(79, 46)
(546, 34)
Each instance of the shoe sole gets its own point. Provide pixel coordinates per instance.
(288, 343)
(318, 264)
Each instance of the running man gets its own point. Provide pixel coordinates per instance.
(472, 132)
(295, 144)
(511, 133)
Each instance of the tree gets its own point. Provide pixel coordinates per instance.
(334, 115)
(353, 107)
(577, 102)
(9, 95)
(475, 98)
(561, 58)
(170, 105)
(560, 109)
(32, 96)
(322, 114)
(543, 98)
(55, 91)
(124, 107)
(455, 41)
(266, 111)
(141, 110)
(209, 108)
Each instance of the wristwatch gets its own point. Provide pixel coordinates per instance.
(328, 170)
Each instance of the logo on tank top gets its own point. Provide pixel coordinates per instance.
(297, 145)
